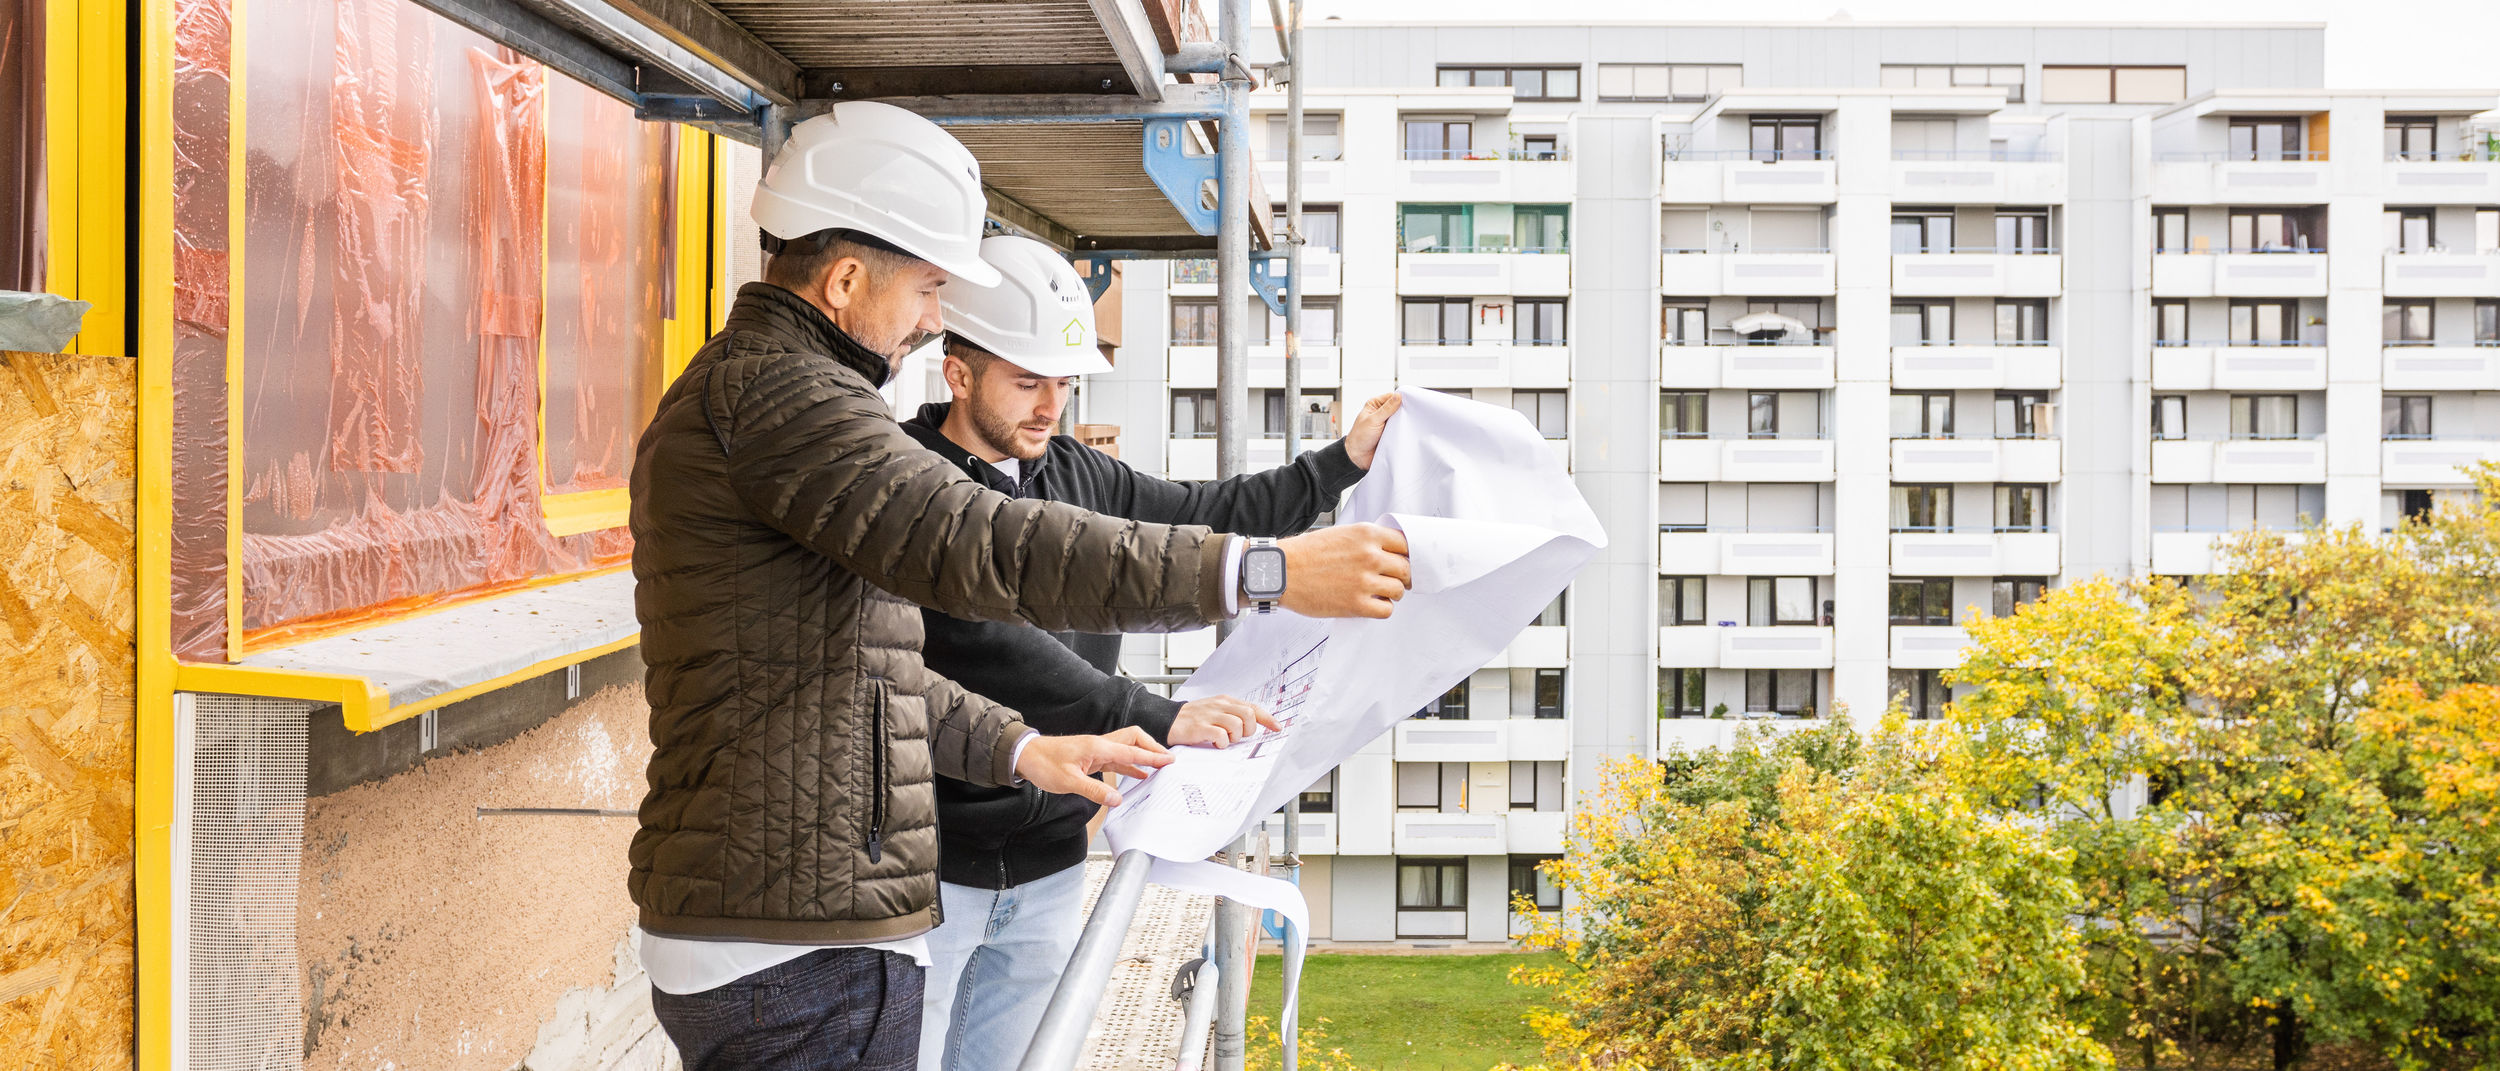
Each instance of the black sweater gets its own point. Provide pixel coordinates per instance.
(1068, 683)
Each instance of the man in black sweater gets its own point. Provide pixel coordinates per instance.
(1009, 859)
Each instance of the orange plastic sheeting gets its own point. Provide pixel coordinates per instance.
(22, 213)
(202, 99)
(608, 283)
(396, 173)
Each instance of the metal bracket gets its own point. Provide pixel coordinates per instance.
(694, 110)
(1098, 274)
(1270, 286)
(1182, 177)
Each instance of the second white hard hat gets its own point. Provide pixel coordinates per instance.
(878, 169)
(1038, 317)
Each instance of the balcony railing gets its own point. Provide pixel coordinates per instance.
(2236, 156)
(2166, 343)
(1748, 529)
(1972, 342)
(1997, 436)
(1762, 155)
(1825, 340)
(2483, 155)
(1461, 342)
(2232, 250)
(1492, 249)
(1984, 156)
(1749, 436)
(1997, 250)
(1756, 249)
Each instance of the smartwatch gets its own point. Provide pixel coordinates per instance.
(1263, 574)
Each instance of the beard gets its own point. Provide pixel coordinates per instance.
(1003, 433)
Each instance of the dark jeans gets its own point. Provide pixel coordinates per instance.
(834, 1009)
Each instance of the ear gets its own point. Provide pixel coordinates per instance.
(844, 283)
(958, 376)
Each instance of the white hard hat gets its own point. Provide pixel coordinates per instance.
(878, 169)
(1038, 317)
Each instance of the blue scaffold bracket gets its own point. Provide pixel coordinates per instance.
(1274, 924)
(1181, 176)
(1269, 282)
(1098, 274)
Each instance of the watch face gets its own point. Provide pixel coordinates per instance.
(1263, 572)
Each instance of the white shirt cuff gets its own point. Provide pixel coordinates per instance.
(1232, 574)
(1017, 759)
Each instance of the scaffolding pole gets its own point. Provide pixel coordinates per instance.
(1292, 36)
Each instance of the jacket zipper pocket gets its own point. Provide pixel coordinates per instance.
(876, 769)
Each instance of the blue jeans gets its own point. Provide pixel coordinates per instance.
(834, 1009)
(992, 967)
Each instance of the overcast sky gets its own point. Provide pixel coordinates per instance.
(2370, 44)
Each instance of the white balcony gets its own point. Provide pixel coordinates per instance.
(1748, 274)
(1323, 181)
(2184, 553)
(1712, 734)
(1975, 554)
(1539, 739)
(2437, 275)
(1540, 647)
(1538, 832)
(1978, 367)
(1928, 646)
(1319, 833)
(2440, 367)
(1745, 460)
(2239, 182)
(2276, 275)
(2239, 461)
(1741, 553)
(2216, 367)
(1475, 181)
(1745, 647)
(1745, 367)
(1707, 178)
(2433, 462)
(1485, 364)
(2443, 182)
(1435, 833)
(1323, 270)
(1193, 367)
(1992, 182)
(1438, 740)
(1977, 461)
(1464, 274)
(1189, 459)
(1188, 650)
(1978, 274)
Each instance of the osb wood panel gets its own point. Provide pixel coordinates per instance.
(67, 715)
(434, 939)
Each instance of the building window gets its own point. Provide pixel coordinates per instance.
(1679, 693)
(2007, 594)
(1193, 414)
(1549, 693)
(1432, 786)
(1683, 324)
(1787, 137)
(1537, 322)
(1680, 601)
(1922, 414)
(1661, 81)
(1530, 882)
(1440, 139)
(2022, 507)
(2265, 323)
(1321, 797)
(1928, 323)
(2266, 139)
(1922, 230)
(2022, 415)
(1683, 507)
(1536, 786)
(1319, 138)
(2170, 416)
(2412, 137)
(2487, 322)
(2023, 323)
(1319, 227)
(1684, 414)
(2264, 416)
(1541, 228)
(1549, 410)
(1772, 601)
(2259, 230)
(2410, 230)
(2170, 230)
(1436, 228)
(2405, 323)
(2404, 416)
(1554, 614)
(2486, 231)
(1432, 884)
(2170, 323)
(1435, 322)
(1787, 692)
(2024, 230)
(1907, 76)
(1922, 507)
(1318, 413)
(1919, 692)
(1540, 146)
(1448, 706)
(2113, 85)
(1526, 83)
(1193, 321)
(1922, 601)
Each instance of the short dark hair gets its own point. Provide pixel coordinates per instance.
(797, 263)
(972, 355)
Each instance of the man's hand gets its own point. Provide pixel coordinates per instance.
(1364, 437)
(1217, 721)
(1350, 570)
(1066, 764)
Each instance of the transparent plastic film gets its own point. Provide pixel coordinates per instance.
(202, 99)
(609, 283)
(22, 223)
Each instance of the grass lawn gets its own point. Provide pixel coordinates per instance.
(1412, 1013)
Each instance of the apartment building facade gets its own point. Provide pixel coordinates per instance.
(1850, 333)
